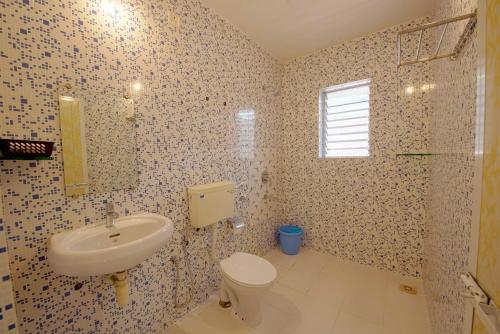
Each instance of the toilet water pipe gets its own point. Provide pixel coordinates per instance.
(213, 248)
(223, 296)
(121, 284)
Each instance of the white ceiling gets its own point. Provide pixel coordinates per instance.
(291, 28)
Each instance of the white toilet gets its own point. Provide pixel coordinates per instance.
(245, 277)
(245, 280)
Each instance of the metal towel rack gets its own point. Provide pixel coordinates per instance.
(469, 28)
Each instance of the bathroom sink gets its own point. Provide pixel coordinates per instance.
(99, 250)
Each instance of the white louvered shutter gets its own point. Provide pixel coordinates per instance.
(345, 120)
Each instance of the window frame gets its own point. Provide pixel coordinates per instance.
(322, 154)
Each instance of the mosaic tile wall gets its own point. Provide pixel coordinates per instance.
(7, 310)
(369, 210)
(453, 136)
(199, 73)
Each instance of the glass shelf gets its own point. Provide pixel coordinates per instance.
(413, 154)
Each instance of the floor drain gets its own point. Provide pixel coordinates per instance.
(408, 289)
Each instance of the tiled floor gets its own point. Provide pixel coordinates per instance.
(319, 294)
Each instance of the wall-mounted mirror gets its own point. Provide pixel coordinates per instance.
(98, 141)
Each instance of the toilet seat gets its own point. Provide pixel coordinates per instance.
(248, 270)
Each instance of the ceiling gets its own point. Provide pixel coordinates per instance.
(291, 28)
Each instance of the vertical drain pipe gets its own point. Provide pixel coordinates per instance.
(175, 261)
(213, 246)
(224, 300)
(121, 283)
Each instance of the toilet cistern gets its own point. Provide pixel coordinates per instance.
(246, 278)
(211, 203)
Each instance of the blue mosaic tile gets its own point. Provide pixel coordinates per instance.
(199, 76)
(184, 139)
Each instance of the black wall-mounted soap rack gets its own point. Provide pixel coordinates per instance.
(12, 149)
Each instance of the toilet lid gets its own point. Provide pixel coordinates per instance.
(248, 269)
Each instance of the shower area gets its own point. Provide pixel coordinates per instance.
(440, 154)
(411, 208)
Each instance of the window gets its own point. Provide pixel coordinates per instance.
(344, 120)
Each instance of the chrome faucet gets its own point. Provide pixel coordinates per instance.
(111, 215)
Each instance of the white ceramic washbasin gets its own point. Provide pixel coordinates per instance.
(99, 250)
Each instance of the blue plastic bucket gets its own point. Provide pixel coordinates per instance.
(290, 238)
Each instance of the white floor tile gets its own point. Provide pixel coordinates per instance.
(405, 313)
(273, 321)
(332, 284)
(320, 294)
(283, 298)
(351, 324)
(175, 330)
(310, 262)
(297, 280)
(305, 313)
(212, 319)
(367, 299)
(281, 261)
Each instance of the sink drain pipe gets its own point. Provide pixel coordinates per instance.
(121, 284)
